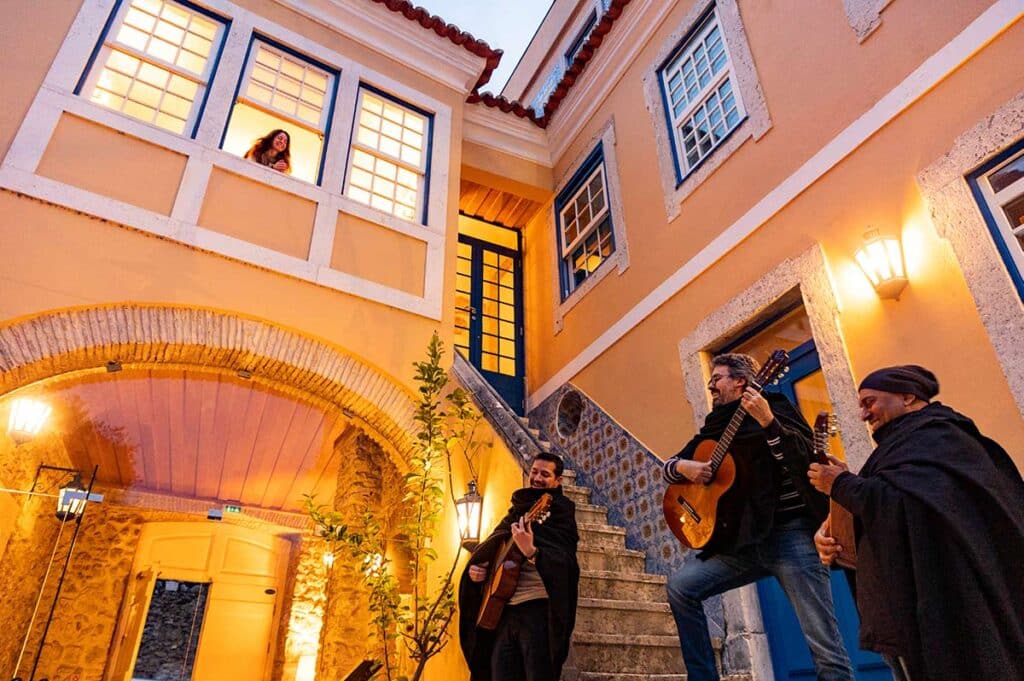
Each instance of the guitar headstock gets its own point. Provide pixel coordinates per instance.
(540, 508)
(826, 425)
(773, 369)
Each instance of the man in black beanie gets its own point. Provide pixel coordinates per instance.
(939, 522)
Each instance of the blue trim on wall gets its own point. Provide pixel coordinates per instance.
(225, 22)
(974, 180)
(429, 115)
(238, 88)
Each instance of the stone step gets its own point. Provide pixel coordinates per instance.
(568, 477)
(592, 513)
(618, 653)
(578, 495)
(603, 616)
(632, 586)
(601, 536)
(620, 560)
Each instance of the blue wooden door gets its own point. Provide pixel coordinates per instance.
(790, 657)
(489, 315)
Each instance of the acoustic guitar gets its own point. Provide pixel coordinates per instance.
(840, 520)
(504, 576)
(691, 508)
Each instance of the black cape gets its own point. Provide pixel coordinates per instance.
(556, 538)
(939, 517)
(748, 508)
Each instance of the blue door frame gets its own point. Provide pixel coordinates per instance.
(510, 387)
(791, 659)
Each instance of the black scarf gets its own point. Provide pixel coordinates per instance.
(556, 539)
(939, 511)
(748, 508)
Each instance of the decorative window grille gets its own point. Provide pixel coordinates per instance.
(585, 232)
(389, 161)
(155, 63)
(701, 99)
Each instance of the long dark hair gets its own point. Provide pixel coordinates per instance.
(265, 145)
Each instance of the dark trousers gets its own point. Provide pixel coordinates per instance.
(521, 646)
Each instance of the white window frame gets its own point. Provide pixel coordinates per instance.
(582, 234)
(109, 43)
(329, 92)
(997, 202)
(698, 103)
(422, 171)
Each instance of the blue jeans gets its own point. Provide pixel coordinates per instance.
(789, 555)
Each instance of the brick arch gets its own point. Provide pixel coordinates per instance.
(46, 345)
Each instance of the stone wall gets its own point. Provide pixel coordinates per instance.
(170, 638)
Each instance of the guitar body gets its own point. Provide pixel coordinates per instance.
(691, 508)
(841, 527)
(502, 584)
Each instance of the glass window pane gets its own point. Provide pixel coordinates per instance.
(507, 366)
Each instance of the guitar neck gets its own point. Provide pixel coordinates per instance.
(726, 440)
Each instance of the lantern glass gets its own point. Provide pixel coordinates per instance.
(881, 260)
(71, 500)
(26, 418)
(469, 509)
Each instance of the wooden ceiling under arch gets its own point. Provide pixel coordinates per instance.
(494, 205)
(199, 434)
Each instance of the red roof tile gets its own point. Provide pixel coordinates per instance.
(572, 73)
(450, 31)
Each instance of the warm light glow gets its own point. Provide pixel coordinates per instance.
(248, 124)
(27, 418)
(71, 500)
(305, 670)
(881, 260)
(329, 559)
(373, 564)
(469, 509)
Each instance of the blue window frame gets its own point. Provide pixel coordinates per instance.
(389, 160)
(581, 38)
(700, 94)
(155, 61)
(998, 187)
(584, 222)
(281, 88)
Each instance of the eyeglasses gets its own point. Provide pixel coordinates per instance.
(715, 378)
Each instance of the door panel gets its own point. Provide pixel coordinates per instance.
(237, 634)
(805, 386)
(488, 315)
(129, 628)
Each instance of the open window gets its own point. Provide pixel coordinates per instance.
(389, 163)
(283, 90)
(155, 62)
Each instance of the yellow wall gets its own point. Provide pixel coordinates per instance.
(378, 254)
(810, 98)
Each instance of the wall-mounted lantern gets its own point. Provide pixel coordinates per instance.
(71, 499)
(27, 418)
(469, 509)
(881, 260)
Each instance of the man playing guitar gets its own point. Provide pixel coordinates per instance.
(531, 640)
(766, 521)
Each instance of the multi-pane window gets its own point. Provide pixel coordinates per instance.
(282, 90)
(1000, 189)
(584, 223)
(580, 39)
(703, 103)
(389, 160)
(155, 63)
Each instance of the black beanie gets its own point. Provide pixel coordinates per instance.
(909, 379)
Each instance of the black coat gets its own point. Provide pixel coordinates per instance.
(939, 517)
(556, 539)
(748, 508)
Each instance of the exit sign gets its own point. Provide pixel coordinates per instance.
(230, 508)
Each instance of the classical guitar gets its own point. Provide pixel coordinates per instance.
(840, 520)
(504, 576)
(691, 508)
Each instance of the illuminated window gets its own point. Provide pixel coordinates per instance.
(998, 187)
(389, 160)
(282, 90)
(155, 63)
(699, 87)
(584, 223)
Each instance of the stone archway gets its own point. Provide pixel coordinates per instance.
(56, 342)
